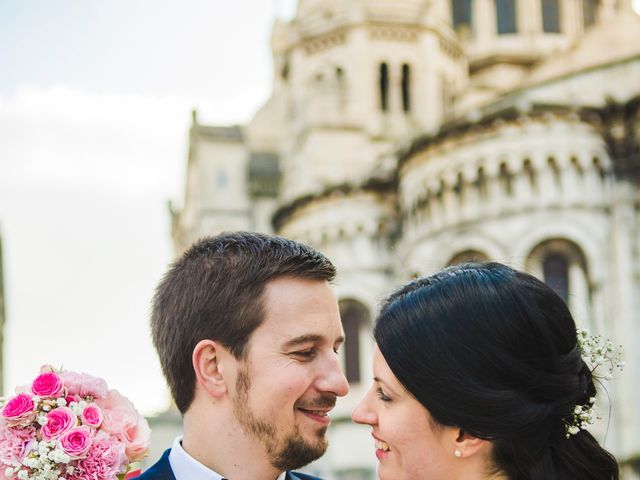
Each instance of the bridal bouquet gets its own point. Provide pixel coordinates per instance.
(69, 426)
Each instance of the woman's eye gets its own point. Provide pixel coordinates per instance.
(382, 396)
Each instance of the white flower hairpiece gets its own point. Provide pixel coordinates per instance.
(595, 352)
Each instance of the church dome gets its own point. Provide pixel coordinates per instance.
(407, 10)
(316, 16)
(315, 12)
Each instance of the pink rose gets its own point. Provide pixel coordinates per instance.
(84, 385)
(19, 410)
(92, 415)
(105, 459)
(47, 384)
(121, 419)
(76, 442)
(15, 443)
(59, 422)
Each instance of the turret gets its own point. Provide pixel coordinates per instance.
(359, 77)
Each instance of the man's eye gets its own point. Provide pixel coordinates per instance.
(305, 354)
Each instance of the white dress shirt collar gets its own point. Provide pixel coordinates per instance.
(185, 467)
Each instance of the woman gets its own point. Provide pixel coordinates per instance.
(477, 375)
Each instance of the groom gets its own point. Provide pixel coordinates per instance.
(247, 328)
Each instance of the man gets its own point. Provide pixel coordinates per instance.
(247, 329)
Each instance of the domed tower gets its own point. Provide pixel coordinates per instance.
(359, 76)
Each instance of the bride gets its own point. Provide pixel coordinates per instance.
(478, 374)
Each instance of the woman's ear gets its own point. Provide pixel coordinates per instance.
(466, 445)
(208, 367)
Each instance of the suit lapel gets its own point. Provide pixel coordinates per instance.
(161, 470)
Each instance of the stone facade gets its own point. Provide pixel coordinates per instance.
(403, 136)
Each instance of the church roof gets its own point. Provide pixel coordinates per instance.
(232, 133)
(610, 41)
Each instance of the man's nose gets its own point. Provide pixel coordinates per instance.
(333, 380)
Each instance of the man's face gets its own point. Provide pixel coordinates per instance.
(291, 376)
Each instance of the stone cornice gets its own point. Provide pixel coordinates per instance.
(373, 185)
(459, 128)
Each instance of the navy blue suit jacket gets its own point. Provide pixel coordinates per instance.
(161, 470)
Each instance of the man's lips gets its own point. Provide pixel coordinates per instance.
(320, 415)
(317, 408)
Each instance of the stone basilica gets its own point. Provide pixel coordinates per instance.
(406, 135)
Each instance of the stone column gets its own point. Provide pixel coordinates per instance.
(623, 321)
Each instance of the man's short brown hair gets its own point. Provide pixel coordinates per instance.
(215, 291)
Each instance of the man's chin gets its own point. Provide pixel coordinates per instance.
(300, 451)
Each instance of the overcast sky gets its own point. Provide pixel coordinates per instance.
(95, 102)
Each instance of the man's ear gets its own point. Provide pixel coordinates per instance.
(208, 367)
(466, 445)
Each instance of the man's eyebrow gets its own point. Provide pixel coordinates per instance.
(308, 338)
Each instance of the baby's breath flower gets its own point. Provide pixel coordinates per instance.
(572, 430)
(595, 352)
(59, 456)
(61, 402)
(33, 462)
(75, 408)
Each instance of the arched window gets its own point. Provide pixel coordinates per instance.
(555, 169)
(506, 179)
(555, 270)
(467, 256)
(461, 14)
(561, 264)
(406, 88)
(481, 183)
(530, 174)
(354, 316)
(550, 16)
(589, 12)
(506, 16)
(384, 87)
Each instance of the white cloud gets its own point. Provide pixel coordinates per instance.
(83, 191)
(95, 104)
(107, 140)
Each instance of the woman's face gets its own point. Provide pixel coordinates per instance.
(408, 445)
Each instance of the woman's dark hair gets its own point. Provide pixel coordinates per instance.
(494, 352)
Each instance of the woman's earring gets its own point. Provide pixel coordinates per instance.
(457, 453)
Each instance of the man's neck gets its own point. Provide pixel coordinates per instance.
(222, 445)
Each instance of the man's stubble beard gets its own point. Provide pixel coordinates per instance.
(285, 452)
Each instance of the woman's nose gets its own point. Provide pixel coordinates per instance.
(363, 414)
